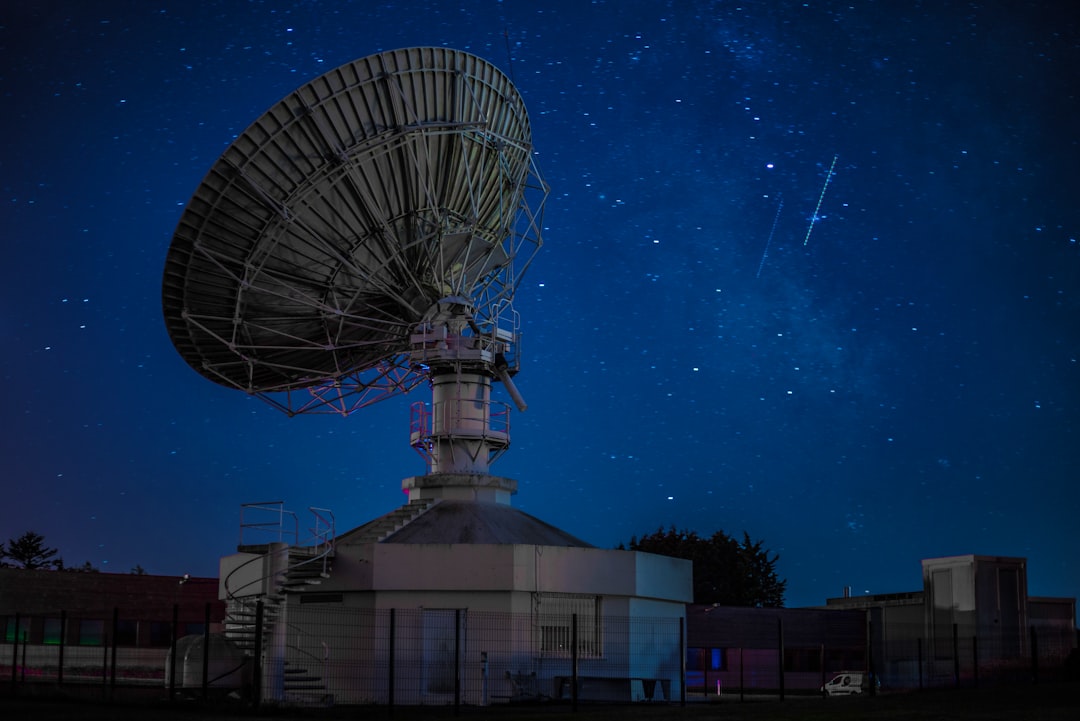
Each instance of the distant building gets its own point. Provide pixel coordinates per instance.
(81, 607)
(972, 608)
(973, 617)
(766, 649)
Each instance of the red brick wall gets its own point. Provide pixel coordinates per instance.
(34, 593)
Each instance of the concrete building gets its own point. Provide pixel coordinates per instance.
(458, 578)
(973, 621)
(60, 627)
(972, 615)
(765, 649)
(78, 607)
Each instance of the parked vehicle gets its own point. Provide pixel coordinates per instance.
(847, 683)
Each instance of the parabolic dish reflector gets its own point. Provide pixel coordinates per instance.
(331, 226)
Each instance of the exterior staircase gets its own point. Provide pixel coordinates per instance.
(383, 527)
(303, 567)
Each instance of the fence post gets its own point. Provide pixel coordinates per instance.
(206, 653)
(780, 654)
(483, 678)
(573, 662)
(390, 666)
(15, 654)
(63, 641)
(742, 684)
(975, 657)
(457, 661)
(1034, 657)
(920, 663)
(172, 651)
(682, 662)
(115, 643)
(871, 671)
(257, 668)
(821, 665)
(956, 653)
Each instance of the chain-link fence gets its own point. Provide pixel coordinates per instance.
(312, 655)
(904, 657)
(98, 651)
(458, 656)
(762, 655)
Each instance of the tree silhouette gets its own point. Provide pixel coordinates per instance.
(726, 572)
(30, 552)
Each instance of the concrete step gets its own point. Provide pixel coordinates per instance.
(315, 698)
(397, 519)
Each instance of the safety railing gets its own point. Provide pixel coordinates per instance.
(271, 522)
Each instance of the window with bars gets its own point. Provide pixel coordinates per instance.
(555, 617)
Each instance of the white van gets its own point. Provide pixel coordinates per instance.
(846, 683)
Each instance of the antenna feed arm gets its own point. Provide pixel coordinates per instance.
(502, 370)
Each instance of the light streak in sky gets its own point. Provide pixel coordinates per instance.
(768, 242)
(814, 218)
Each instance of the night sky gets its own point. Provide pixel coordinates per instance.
(902, 385)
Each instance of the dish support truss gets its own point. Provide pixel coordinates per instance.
(463, 430)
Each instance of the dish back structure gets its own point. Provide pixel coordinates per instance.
(364, 235)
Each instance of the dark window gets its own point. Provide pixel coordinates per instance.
(160, 635)
(321, 598)
(802, 659)
(52, 632)
(706, 659)
(91, 632)
(9, 629)
(695, 668)
(127, 633)
(837, 659)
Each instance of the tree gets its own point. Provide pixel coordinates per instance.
(726, 572)
(30, 552)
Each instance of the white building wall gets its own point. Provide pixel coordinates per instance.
(340, 634)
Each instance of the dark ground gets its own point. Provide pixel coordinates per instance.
(1046, 702)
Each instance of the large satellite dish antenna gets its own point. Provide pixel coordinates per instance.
(364, 235)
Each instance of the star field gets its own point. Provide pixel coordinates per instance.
(884, 368)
